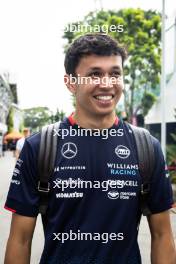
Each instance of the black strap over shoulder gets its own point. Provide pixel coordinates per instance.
(46, 161)
(146, 160)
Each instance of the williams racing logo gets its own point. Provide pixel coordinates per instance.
(122, 152)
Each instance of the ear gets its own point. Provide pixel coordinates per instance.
(70, 82)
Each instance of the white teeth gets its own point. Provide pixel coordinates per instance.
(103, 97)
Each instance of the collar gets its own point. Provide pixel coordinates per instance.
(73, 121)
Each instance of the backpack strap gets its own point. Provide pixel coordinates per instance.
(46, 162)
(146, 160)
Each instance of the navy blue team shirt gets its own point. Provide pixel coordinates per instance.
(93, 212)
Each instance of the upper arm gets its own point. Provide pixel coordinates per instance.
(23, 195)
(160, 224)
(160, 197)
(22, 228)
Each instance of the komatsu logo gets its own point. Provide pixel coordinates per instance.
(122, 152)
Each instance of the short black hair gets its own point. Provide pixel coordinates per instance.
(89, 44)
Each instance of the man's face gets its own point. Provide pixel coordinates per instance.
(103, 89)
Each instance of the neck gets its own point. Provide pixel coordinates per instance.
(94, 121)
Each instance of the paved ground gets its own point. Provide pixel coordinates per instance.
(6, 168)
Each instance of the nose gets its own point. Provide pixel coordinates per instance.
(106, 82)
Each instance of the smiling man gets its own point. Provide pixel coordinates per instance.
(103, 67)
(93, 211)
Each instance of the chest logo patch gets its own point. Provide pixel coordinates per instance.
(122, 152)
(69, 150)
(113, 195)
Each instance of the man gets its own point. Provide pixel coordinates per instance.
(93, 212)
(20, 142)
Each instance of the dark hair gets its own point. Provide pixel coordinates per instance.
(98, 44)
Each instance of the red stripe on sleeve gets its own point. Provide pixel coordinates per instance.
(10, 209)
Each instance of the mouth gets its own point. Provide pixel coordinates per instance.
(104, 97)
(104, 100)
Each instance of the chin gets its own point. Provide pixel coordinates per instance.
(103, 112)
(103, 109)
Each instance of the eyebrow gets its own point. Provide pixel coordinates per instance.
(117, 68)
(94, 69)
(100, 69)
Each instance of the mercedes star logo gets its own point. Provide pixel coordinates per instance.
(69, 150)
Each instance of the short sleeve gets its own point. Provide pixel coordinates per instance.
(161, 197)
(23, 196)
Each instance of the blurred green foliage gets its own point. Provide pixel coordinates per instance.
(37, 117)
(10, 120)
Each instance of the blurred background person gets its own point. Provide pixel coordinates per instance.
(20, 142)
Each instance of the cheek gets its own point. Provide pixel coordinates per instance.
(118, 89)
(120, 86)
(119, 82)
(81, 95)
(83, 92)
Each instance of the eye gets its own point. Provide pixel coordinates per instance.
(116, 74)
(95, 74)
